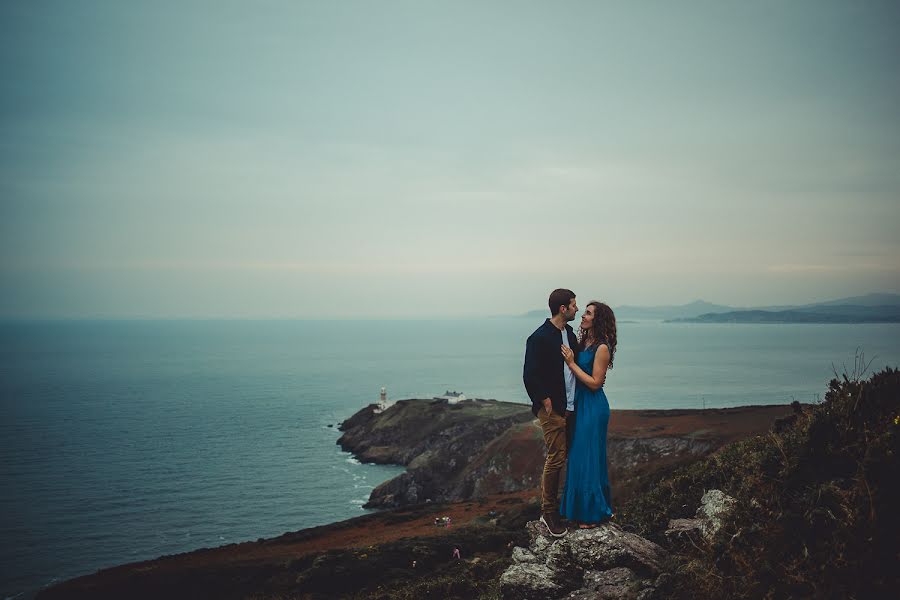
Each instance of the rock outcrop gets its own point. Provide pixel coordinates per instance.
(475, 448)
(714, 507)
(604, 562)
(443, 446)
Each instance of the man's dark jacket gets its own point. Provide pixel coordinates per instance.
(543, 372)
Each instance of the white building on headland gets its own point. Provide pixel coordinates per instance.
(383, 403)
(451, 397)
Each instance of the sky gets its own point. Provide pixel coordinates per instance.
(443, 159)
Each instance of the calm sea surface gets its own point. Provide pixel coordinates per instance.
(126, 440)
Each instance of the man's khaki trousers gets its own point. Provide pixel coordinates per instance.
(554, 428)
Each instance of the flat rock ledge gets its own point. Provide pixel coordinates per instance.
(604, 562)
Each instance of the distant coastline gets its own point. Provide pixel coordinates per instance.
(885, 314)
(870, 308)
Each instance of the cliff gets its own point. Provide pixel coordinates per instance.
(456, 452)
(443, 445)
(399, 553)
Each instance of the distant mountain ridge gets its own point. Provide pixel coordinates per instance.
(814, 314)
(692, 309)
(869, 308)
(875, 299)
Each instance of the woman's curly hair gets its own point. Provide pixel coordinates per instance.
(603, 330)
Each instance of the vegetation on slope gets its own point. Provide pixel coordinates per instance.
(817, 503)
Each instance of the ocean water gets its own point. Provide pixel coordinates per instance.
(126, 440)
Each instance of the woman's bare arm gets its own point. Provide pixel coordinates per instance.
(601, 363)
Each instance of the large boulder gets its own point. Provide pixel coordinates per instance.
(530, 582)
(604, 562)
(619, 584)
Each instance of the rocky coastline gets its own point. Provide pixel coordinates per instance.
(476, 448)
(477, 461)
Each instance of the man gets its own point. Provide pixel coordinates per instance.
(551, 387)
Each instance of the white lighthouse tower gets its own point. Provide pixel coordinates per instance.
(382, 401)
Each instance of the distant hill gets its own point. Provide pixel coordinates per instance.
(840, 314)
(870, 308)
(867, 300)
(693, 309)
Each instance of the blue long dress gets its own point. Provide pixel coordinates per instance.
(586, 497)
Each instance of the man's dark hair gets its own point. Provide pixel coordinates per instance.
(560, 297)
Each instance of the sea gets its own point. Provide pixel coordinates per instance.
(122, 441)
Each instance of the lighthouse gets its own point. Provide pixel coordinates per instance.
(382, 401)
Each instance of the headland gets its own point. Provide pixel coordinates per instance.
(476, 461)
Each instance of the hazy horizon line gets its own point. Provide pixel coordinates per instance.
(432, 317)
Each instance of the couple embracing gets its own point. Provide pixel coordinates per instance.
(564, 376)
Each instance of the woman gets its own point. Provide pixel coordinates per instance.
(586, 499)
